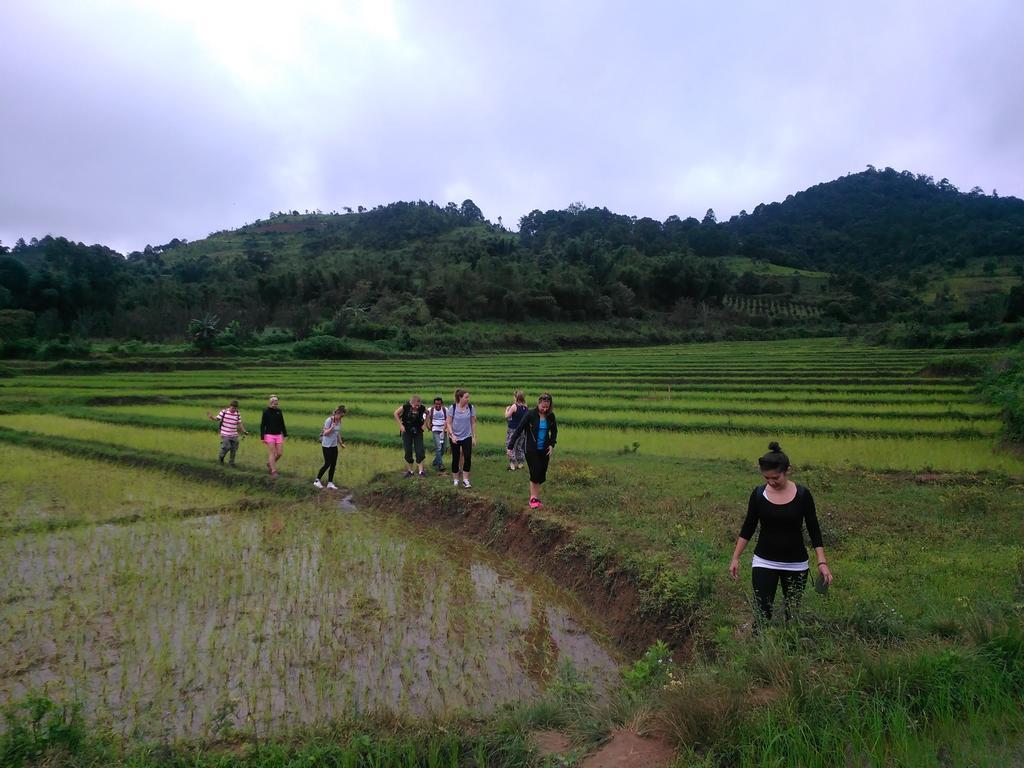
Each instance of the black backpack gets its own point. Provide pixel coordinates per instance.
(407, 420)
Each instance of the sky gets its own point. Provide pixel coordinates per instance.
(132, 122)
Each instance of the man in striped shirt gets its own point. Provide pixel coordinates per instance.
(230, 427)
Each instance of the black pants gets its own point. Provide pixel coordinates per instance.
(766, 582)
(409, 442)
(537, 461)
(462, 449)
(330, 463)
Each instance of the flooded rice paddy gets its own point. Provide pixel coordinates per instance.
(200, 627)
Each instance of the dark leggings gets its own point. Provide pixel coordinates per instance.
(462, 449)
(537, 461)
(330, 463)
(766, 581)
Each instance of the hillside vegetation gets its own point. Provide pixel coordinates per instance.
(892, 256)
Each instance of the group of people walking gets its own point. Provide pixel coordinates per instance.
(781, 508)
(530, 437)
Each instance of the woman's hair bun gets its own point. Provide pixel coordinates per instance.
(775, 447)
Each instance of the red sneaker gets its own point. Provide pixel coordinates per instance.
(535, 503)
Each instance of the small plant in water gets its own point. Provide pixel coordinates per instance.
(568, 685)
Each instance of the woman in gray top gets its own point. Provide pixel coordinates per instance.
(461, 425)
(330, 440)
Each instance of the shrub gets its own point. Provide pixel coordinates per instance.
(650, 670)
(871, 620)
(1004, 386)
(19, 348)
(62, 349)
(700, 712)
(323, 347)
(966, 500)
(953, 366)
(577, 473)
(36, 727)
(274, 335)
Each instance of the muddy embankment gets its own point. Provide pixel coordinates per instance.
(606, 584)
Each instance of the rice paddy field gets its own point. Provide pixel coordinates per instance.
(181, 601)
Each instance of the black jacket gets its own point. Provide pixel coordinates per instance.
(529, 425)
(272, 423)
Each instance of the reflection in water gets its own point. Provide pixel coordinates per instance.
(188, 628)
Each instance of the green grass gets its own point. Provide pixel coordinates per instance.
(913, 658)
(48, 489)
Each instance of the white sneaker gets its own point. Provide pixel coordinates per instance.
(332, 487)
(455, 482)
(465, 484)
(317, 483)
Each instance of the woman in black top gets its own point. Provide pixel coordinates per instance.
(782, 509)
(541, 430)
(273, 433)
(411, 417)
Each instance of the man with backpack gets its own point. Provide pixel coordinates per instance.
(438, 417)
(411, 418)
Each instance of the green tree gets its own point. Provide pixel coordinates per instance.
(203, 331)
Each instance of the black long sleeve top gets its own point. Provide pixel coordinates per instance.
(272, 423)
(530, 424)
(782, 537)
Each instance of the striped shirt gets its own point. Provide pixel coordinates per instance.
(229, 421)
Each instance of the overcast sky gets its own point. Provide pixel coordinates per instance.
(127, 122)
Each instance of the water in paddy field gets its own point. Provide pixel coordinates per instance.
(202, 627)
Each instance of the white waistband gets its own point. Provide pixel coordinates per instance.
(760, 562)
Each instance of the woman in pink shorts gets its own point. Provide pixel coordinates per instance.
(273, 433)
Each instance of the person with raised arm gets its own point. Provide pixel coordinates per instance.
(231, 427)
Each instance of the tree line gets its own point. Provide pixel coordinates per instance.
(369, 274)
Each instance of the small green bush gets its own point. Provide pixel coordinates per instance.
(650, 670)
(323, 347)
(965, 500)
(953, 366)
(1004, 386)
(63, 349)
(35, 728)
(19, 348)
(274, 335)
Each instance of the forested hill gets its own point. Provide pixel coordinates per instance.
(879, 250)
(882, 218)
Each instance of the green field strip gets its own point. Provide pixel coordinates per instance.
(871, 452)
(56, 488)
(193, 453)
(632, 385)
(806, 405)
(125, 454)
(381, 417)
(501, 395)
(647, 404)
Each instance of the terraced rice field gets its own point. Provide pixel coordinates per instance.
(831, 403)
(172, 608)
(176, 597)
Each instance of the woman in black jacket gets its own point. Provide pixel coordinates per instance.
(273, 433)
(541, 430)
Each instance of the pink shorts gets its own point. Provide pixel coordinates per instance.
(275, 439)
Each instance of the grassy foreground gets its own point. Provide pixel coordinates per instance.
(915, 657)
